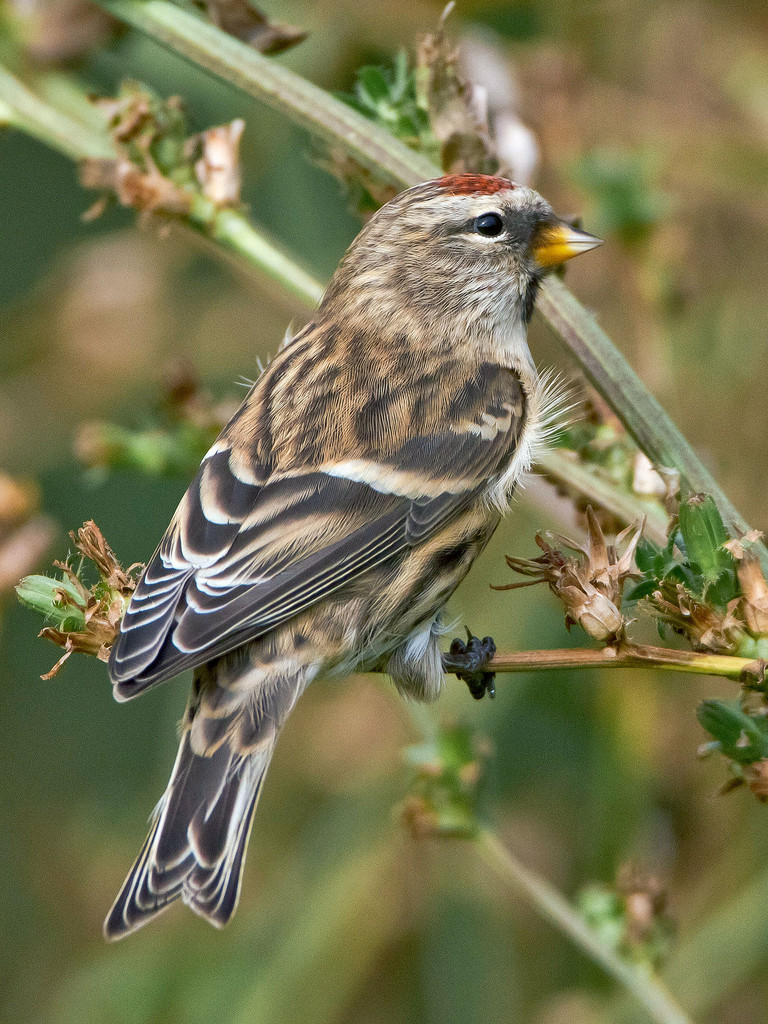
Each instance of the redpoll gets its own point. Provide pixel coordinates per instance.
(339, 510)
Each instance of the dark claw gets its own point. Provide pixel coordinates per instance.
(469, 660)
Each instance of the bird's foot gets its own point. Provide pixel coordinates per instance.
(469, 661)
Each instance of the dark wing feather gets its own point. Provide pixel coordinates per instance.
(240, 557)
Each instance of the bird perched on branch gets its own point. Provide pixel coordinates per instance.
(339, 509)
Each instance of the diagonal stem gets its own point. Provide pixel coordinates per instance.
(261, 77)
(23, 109)
(644, 986)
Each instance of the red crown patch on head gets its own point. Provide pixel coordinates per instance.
(473, 184)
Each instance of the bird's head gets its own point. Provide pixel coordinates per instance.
(464, 251)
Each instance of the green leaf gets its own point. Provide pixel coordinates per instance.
(644, 589)
(724, 589)
(401, 80)
(742, 737)
(645, 555)
(373, 84)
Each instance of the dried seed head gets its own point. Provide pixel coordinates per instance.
(706, 627)
(96, 611)
(644, 898)
(754, 588)
(591, 610)
(755, 591)
(590, 586)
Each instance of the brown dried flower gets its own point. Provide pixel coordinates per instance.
(416, 815)
(756, 777)
(645, 900)
(148, 191)
(706, 627)
(218, 169)
(103, 605)
(590, 586)
(754, 588)
(158, 169)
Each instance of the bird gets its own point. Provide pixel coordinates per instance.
(338, 510)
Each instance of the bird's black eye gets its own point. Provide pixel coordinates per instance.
(489, 225)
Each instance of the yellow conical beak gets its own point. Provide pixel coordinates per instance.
(556, 243)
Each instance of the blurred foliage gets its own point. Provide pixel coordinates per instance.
(631, 916)
(388, 96)
(444, 793)
(343, 919)
(628, 203)
(597, 437)
(184, 423)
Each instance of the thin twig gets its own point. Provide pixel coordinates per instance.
(626, 506)
(237, 235)
(646, 988)
(628, 656)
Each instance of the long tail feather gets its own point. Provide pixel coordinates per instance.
(197, 842)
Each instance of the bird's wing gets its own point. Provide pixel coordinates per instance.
(242, 556)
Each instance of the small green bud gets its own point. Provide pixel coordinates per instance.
(704, 535)
(58, 600)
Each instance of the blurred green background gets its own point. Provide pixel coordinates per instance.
(652, 124)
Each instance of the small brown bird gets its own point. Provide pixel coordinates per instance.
(339, 509)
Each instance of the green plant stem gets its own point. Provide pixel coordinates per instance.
(626, 656)
(574, 475)
(373, 147)
(21, 108)
(645, 987)
(25, 110)
(233, 232)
